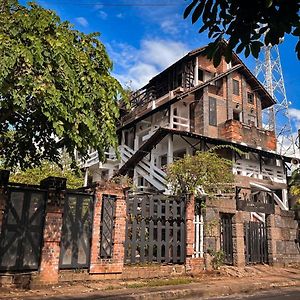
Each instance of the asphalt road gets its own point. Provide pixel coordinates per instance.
(281, 294)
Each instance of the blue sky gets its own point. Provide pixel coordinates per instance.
(145, 36)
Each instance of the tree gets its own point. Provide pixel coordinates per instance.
(56, 88)
(245, 23)
(46, 169)
(206, 171)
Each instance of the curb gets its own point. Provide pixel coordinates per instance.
(210, 291)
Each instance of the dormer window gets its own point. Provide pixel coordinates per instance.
(250, 97)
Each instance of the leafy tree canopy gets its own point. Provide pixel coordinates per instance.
(46, 169)
(245, 23)
(205, 170)
(56, 88)
(295, 185)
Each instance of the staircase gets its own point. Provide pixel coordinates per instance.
(154, 175)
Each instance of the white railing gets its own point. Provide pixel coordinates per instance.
(154, 175)
(94, 159)
(181, 123)
(199, 235)
(252, 169)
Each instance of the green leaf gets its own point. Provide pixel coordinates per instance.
(198, 11)
(189, 8)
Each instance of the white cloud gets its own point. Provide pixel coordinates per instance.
(82, 21)
(294, 113)
(120, 16)
(138, 65)
(169, 26)
(102, 14)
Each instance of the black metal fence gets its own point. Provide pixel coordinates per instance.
(76, 231)
(256, 243)
(21, 236)
(155, 229)
(107, 225)
(226, 238)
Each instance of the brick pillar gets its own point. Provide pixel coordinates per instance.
(244, 101)
(238, 240)
(49, 267)
(229, 97)
(190, 232)
(205, 111)
(116, 263)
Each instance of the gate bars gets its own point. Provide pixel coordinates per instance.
(155, 229)
(256, 242)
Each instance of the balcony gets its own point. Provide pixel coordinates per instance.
(236, 131)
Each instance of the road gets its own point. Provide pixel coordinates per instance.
(280, 294)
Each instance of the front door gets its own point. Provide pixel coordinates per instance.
(21, 236)
(76, 231)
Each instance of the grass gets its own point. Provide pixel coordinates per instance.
(160, 282)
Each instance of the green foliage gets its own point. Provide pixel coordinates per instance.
(56, 89)
(245, 23)
(205, 170)
(35, 175)
(218, 259)
(295, 185)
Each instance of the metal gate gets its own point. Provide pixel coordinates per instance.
(21, 236)
(155, 229)
(76, 231)
(226, 238)
(256, 243)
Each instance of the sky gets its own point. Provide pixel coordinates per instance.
(143, 37)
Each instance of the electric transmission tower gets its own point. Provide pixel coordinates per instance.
(268, 70)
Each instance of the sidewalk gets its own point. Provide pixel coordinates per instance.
(227, 281)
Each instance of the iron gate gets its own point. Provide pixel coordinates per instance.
(256, 243)
(21, 236)
(155, 229)
(76, 231)
(226, 238)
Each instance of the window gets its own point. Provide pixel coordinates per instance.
(200, 75)
(212, 111)
(236, 87)
(236, 115)
(250, 97)
(179, 79)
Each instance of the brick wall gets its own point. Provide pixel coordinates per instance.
(282, 229)
(116, 263)
(236, 131)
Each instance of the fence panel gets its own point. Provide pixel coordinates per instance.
(256, 243)
(155, 229)
(21, 236)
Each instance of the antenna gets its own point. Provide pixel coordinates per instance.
(268, 70)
